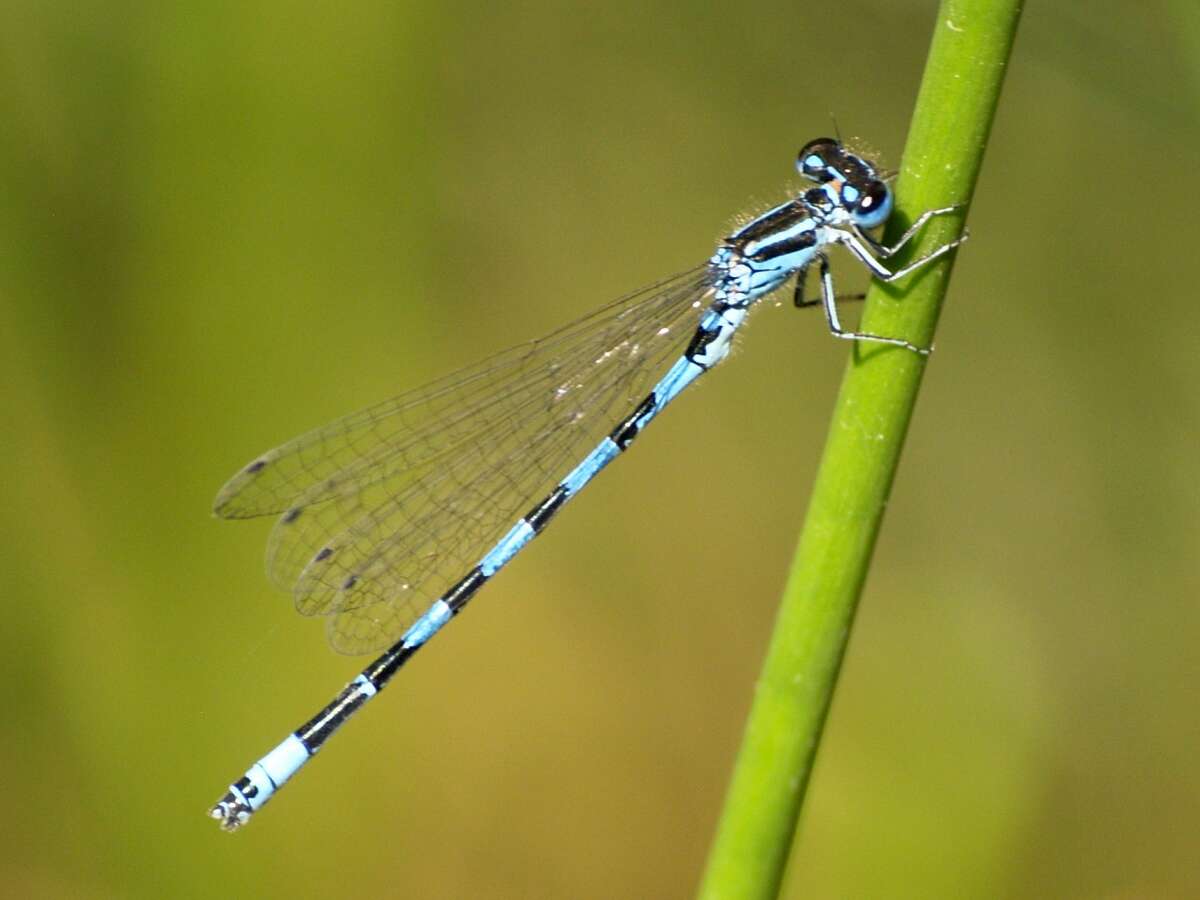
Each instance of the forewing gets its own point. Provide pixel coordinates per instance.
(384, 509)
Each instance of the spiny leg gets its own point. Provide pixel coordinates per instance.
(886, 251)
(840, 298)
(882, 272)
(800, 302)
(829, 299)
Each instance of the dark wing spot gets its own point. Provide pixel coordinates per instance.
(292, 515)
(324, 554)
(349, 582)
(255, 467)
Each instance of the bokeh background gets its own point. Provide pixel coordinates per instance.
(224, 223)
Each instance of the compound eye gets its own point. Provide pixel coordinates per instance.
(874, 205)
(817, 158)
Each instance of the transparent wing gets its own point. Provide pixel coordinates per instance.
(382, 510)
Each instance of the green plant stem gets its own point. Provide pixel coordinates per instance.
(950, 126)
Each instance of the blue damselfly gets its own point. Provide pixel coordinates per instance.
(391, 519)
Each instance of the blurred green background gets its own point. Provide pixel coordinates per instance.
(225, 223)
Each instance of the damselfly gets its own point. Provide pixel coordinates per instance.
(381, 510)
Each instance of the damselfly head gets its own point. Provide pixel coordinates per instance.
(869, 202)
(817, 160)
(850, 178)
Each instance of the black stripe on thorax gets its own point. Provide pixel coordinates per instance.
(802, 240)
(770, 222)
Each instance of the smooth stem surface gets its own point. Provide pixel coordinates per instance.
(954, 112)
